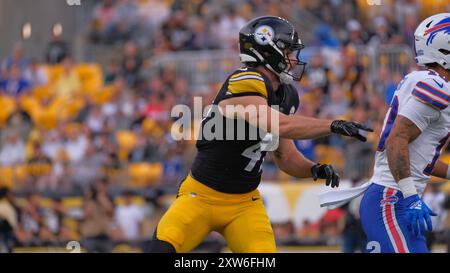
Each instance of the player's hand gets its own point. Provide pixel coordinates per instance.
(327, 172)
(349, 128)
(416, 213)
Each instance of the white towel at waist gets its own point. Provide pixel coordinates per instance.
(337, 198)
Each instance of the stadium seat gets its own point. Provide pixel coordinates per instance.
(20, 173)
(53, 72)
(330, 155)
(30, 104)
(47, 118)
(38, 169)
(103, 94)
(137, 200)
(126, 140)
(91, 77)
(42, 92)
(7, 106)
(7, 177)
(144, 174)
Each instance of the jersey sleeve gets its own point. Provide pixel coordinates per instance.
(432, 91)
(249, 83)
(419, 112)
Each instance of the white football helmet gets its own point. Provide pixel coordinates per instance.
(432, 40)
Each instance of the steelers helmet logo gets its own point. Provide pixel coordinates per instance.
(264, 34)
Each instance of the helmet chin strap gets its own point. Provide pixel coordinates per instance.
(284, 77)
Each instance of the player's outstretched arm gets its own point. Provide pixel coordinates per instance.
(292, 162)
(292, 127)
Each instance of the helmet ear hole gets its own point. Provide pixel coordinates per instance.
(444, 51)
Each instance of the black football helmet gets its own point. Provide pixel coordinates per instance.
(264, 41)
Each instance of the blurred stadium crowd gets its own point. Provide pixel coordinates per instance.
(86, 149)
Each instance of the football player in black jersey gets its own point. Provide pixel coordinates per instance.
(220, 193)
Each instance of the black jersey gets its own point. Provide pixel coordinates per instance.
(234, 166)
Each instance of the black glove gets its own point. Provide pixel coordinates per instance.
(349, 128)
(327, 172)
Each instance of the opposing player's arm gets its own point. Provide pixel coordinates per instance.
(256, 111)
(291, 161)
(292, 127)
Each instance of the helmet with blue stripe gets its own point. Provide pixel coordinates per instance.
(432, 41)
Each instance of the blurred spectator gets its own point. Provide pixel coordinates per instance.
(435, 200)
(330, 224)
(75, 145)
(324, 36)
(57, 50)
(356, 35)
(446, 223)
(385, 84)
(68, 83)
(392, 87)
(131, 63)
(96, 225)
(35, 74)
(409, 26)
(155, 109)
(55, 216)
(353, 237)
(112, 71)
(104, 20)
(199, 37)
(89, 169)
(152, 13)
(229, 25)
(147, 150)
(17, 59)
(33, 216)
(12, 151)
(13, 83)
(153, 210)
(382, 33)
(8, 221)
(318, 73)
(358, 155)
(95, 120)
(52, 144)
(172, 167)
(127, 18)
(308, 230)
(284, 232)
(181, 91)
(175, 30)
(40, 170)
(129, 217)
(338, 105)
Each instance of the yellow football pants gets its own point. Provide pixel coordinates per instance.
(198, 210)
